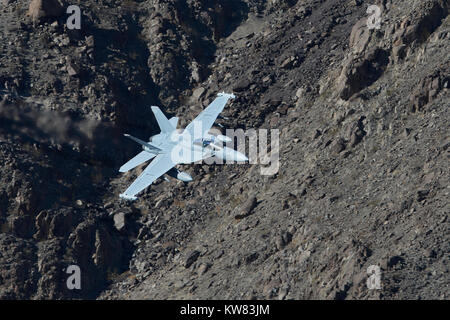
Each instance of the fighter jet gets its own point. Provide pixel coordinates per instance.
(177, 146)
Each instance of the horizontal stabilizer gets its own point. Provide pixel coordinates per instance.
(142, 157)
(148, 145)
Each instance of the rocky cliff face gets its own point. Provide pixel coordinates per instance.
(363, 179)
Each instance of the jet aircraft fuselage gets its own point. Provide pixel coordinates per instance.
(176, 146)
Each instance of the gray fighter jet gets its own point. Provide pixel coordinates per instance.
(172, 147)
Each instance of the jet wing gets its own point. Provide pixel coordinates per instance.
(140, 158)
(205, 120)
(160, 165)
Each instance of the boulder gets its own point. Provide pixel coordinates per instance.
(119, 221)
(360, 72)
(360, 36)
(191, 258)
(247, 207)
(42, 9)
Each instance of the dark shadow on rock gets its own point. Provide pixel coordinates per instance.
(132, 87)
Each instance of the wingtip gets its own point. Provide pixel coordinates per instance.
(224, 94)
(127, 197)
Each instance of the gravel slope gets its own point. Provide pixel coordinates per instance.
(363, 121)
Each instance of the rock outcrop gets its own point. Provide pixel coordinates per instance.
(362, 178)
(42, 9)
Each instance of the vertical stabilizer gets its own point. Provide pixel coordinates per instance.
(174, 122)
(164, 124)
